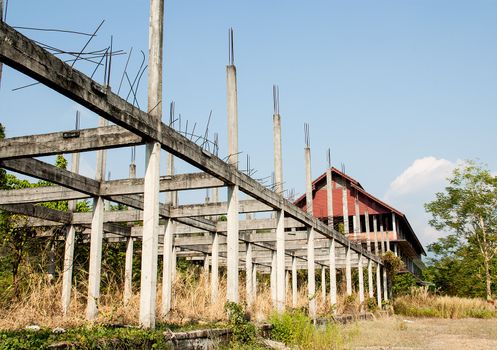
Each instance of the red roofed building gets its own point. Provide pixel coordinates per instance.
(367, 219)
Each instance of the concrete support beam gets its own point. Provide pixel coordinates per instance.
(67, 142)
(361, 281)
(233, 211)
(375, 229)
(49, 172)
(254, 281)
(378, 285)
(348, 272)
(370, 279)
(273, 279)
(345, 208)
(294, 282)
(96, 238)
(95, 258)
(333, 276)
(69, 249)
(128, 271)
(215, 268)
(385, 284)
(167, 272)
(249, 289)
(280, 261)
(30, 59)
(152, 169)
(311, 275)
(368, 239)
(323, 285)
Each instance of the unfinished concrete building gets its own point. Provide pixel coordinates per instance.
(376, 225)
(292, 240)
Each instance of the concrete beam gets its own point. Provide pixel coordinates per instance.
(25, 56)
(67, 142)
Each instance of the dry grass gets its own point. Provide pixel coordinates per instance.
(422, 303)
(191, 302)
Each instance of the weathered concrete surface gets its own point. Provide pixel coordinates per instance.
(67, 141)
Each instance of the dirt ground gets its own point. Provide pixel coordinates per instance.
(402, 333)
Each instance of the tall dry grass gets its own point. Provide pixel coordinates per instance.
(420, 302)
(191, 303)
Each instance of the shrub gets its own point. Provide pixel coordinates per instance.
(243, 330)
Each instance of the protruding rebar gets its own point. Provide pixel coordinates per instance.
(276, 99)
(231, 50)
(307, 137)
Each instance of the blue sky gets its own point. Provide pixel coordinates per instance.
(399, 90)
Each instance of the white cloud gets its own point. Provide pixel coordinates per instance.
(414, 187)
(423, 173)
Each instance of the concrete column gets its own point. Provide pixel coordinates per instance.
(152, 169)
(273, 278)
(232, 217)
(69, 248)
(378, 285)
(128, 263)
(361, 280)
(280, 261)
(385, 284)
(354, 225)
(128, 271)
(382, 235)
(375, 229)
(345, 208)
(311, 273)
(254, 281)
(287, 281)
(357, 228)
(329, 196)
(167, 273)
(323, 284)
(215, 267)
(368, 239)
(370, 279)
(333, 276)
(95, 258)
(294, 282)
(348, 271)
(51, 262)
(96, 237)
(248, 275)
(394, 226)
(173, 264)
(387, 236)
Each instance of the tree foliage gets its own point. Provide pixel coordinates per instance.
(467, 210)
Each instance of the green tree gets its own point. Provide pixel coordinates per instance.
(468, 210)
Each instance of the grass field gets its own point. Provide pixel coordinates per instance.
(398, 332)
